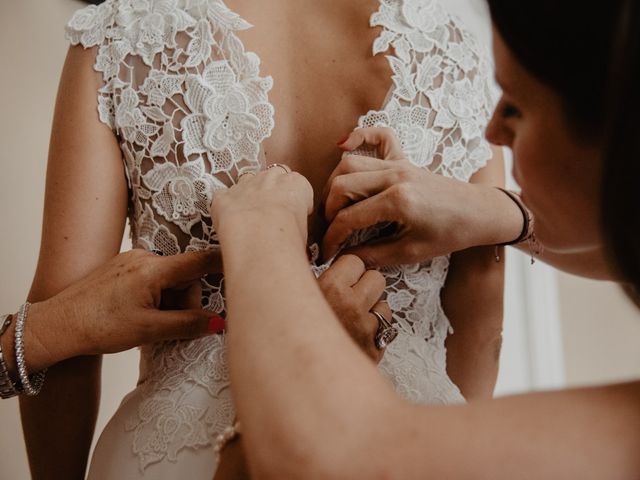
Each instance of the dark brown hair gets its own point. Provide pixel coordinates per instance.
(621, 175)
(566, 45)
(589, 53)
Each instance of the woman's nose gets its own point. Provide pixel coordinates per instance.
(498, 133)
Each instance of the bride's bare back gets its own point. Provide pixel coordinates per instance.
(325, 77)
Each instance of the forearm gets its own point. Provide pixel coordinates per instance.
(585, 434)
(59, 423)
(304, 389)
(84, 216)
(272, 386)
(473, 300)
(492, 218)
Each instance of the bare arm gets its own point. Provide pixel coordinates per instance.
(586, 434)
(84, 217)
(119, 306)
(321, 406)
(473, 300)
(435, 214)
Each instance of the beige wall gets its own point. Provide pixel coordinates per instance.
(32, 50)
(601, 331)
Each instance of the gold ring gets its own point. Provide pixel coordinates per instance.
(285, 168)
(245, 172)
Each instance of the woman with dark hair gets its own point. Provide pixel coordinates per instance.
(574, 153)
(162, 104)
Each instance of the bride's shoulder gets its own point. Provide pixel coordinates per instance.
(89, 25)
(423, 25)
(149, 25)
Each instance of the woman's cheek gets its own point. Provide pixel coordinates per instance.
(533, 178)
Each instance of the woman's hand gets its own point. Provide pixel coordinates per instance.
(118, 307)
(353, 292)
(264, 197)
(434, 215)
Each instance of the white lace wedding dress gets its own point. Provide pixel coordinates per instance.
(190, 109)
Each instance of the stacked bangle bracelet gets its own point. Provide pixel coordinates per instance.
(8, 389)
(31, 385)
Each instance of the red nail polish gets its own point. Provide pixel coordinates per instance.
(343, 140)
(216, 324)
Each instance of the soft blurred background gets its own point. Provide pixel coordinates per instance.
(559, 330)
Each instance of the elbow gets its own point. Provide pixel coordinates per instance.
(480, 344)
(473, 362)
(491, 343)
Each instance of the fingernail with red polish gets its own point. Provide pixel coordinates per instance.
(343, 140)
(216, 324)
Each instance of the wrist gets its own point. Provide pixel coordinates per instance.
(246, 239)
(47, 339)
(498, 219)
(41, 322)
(254, 226)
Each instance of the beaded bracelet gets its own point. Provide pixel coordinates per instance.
(33, 385)
(227, 435)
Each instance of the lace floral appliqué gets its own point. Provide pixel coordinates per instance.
(190, 110)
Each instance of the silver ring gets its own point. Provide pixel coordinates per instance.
(245, 172)
(157, 253)
(285, 168)
(386, 334)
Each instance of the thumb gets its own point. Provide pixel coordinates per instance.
(184, 324)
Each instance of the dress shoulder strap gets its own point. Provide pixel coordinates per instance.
(442, 96)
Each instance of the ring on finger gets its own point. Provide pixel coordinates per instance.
(285, 168)
(245, 172)
(386, 334)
